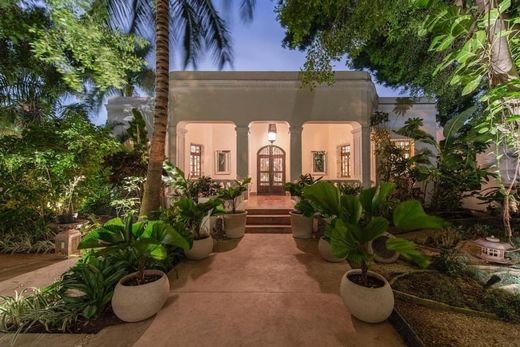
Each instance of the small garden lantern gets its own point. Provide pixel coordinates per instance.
(66, 242)
(491, 249)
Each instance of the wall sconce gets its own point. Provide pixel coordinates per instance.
(271, 133)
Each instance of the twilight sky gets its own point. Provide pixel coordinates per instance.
(258, 47)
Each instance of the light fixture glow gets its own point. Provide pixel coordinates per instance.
(271, 133)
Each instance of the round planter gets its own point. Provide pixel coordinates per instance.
(326, 252)
(380, 257)
(137, 303)
(301, 226)
(235, 224)
(371, 305)
(200, 249)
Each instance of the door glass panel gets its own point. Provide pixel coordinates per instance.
(264, 164)
(264, 177)
(277, 164)
(277, 178)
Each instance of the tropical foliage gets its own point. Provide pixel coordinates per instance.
(136, 241)
(355, 220)
(233, 192)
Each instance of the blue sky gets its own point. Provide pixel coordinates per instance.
(258, 47)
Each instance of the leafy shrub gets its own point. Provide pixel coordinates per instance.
(49, 169)
(43, 307)
(88, 287)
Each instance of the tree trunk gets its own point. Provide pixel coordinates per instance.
(502, 70)
(153, 185)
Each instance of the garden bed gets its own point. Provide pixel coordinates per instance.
(439, 328)
(449, 310)
(462, 292)
(91, 326)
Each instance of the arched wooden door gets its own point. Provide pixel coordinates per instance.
(270, 170)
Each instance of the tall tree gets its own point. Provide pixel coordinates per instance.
(153, 184)
(380, 36)
(202, 29)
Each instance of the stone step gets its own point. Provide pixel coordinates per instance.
(275, 219)
(268, 229)
(267, 211)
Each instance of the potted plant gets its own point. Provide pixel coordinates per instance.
(354, 222)
(140, 294)
(195, 216)
(234, 220)
(302, 215)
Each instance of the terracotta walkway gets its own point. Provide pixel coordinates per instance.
(264, 290)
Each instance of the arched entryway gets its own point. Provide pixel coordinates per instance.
(270, 170)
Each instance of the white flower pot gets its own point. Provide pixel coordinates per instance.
(326, 252)
(382, 258)
(235, 224)
(201, 249)
(137, 303)
(371, 305)
(301, 226)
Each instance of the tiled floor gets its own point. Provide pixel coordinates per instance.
(269, 202)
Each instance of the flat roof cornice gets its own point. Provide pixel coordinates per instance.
(260, 75)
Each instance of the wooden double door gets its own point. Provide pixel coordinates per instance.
(270, 170)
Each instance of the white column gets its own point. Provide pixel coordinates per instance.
(171, 141)
(181, 149)
(365, 157)
(356, 153)
(295, 131)
(242, 151)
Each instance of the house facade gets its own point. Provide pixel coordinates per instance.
(266, 126)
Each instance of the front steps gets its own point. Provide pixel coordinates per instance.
(263, 220)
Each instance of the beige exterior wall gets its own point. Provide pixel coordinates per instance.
(212, 137)
(232, 110)
(328, 137)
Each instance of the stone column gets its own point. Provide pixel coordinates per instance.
(242, 150)
(171, 141)
(295, 131)
(357, 149)
(181, 149)
(365, 157)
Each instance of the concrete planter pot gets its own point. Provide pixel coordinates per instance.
(137, 303)
(200, 249)
(235, 224)
(371, 305)
(326, 252)
(385, 257)
(301, 226)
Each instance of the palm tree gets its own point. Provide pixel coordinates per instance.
(201, 28)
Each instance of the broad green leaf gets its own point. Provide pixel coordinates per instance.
(352, 208)
(408, 250)
(472, 85)
(377, 227)
(325, 196)
(409, 215)
(452, 127)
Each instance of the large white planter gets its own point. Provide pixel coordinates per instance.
(301, 226)
(326, 252)
(371, 305)
(137, 303)
(235, 224)
(201, 249)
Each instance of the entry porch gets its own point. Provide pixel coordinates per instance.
(273, 152)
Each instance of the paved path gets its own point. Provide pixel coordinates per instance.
(264, 290)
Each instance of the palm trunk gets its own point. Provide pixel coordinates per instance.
(152, 188)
